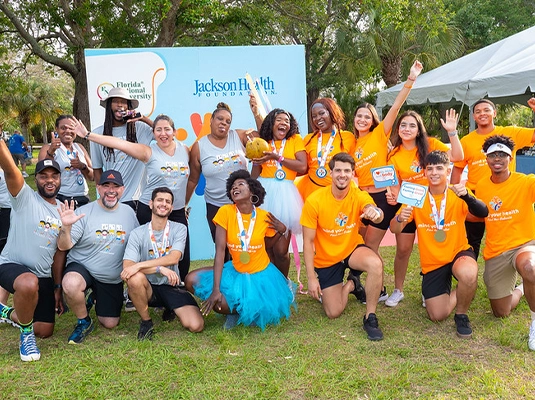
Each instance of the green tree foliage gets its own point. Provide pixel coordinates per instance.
(484, 22)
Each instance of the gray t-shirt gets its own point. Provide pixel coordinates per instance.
(130, 168)
(73, 182)
(217, 164)
(169, 171)
(139, 247)
(100, 238)
(33, 232)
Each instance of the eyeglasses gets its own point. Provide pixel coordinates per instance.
(497, 154)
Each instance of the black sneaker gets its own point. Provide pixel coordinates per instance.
(81, 330)
(168, 315)
(464, 330)
(89, 301)
(359, 291)
(146, 330)
(129, 306)
(371, 326)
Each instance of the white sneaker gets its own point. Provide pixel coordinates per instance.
(25, 174)
(531, 340)
(394, 298)
(423, 301)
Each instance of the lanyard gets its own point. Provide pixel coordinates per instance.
(438, 218)
(162, 250)
(245, 237)
(70, 154)
(323, 153)
(279, 153)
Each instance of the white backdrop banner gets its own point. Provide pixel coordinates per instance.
(187, 83)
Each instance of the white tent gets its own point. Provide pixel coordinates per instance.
(503, 72)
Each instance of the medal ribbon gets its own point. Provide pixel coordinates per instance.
(279, 153)
(159, 251)
(245, 237)
(323, 153)
(70, 154)
(439, 218)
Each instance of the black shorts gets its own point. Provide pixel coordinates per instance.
(170, 297)
(108, 296)
(45, 311)
(79, 201)
(389, 211)
(4, 226)
(333, 275)
(438, 281)
(410, 227)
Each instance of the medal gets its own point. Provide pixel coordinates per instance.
(438, 216)
(245, 257)
(280, 175)
(321, 172)
(323, 153)
(245, 236)
(440, 236)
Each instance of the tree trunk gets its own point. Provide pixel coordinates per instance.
(43, 131)
(80, 105)
(391, 70)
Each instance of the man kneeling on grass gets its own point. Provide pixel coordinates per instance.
(331, 243)
(444, 248)
(150, 267)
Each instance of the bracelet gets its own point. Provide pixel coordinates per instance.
(158, 270)
(411, 79)
(57, 286)
(87, 136)
(84, 168)
(281, 159)
(452, 134)
(397, 219)
(407, 86)
(50, 155)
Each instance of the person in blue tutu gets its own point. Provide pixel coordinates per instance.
(276, 171)
(249, 289)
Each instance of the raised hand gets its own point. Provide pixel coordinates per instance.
(67, 214)
(416, 69)
(79, 128)
(450, 124)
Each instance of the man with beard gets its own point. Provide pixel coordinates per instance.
(120, 121)
(95, 259)
(33, 276)
(150, 267)
(331, 219)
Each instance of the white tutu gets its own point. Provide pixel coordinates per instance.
(283, 201)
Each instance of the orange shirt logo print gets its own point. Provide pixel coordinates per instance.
(341, 219)
(495, 203)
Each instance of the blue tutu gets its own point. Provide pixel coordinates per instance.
(283, 201)
(260, 299)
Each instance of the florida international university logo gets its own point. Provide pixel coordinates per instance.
(341, 220)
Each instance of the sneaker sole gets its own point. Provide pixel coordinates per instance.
(10, 322)
(466, 336)
(129, 309)
(30, 357)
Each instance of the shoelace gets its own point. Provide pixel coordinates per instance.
(28, 343)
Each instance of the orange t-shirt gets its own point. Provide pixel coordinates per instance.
(371, 151)
(292, 146)
(433, 254)
(336, 223)
(227, 218)
(311, 148)
(406, 162)
(511, 220)
(477, 161)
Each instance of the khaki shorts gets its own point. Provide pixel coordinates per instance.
(500, 271)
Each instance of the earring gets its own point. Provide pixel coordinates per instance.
(254, 201)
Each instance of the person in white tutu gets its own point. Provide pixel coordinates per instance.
(276, 171)
(249, 289)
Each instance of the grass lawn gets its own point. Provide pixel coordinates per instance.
(306, 357)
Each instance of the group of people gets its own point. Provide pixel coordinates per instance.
(136, 232)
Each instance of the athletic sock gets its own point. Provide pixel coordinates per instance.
(6, 311)
(26, 328)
